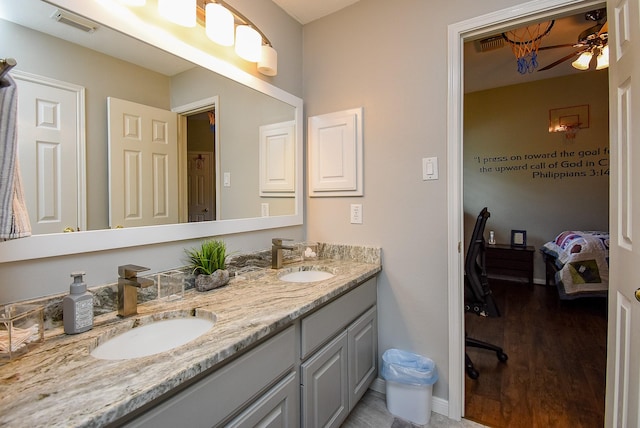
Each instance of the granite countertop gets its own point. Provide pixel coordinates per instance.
(60, 384)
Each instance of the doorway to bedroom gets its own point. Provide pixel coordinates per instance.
(542, 183)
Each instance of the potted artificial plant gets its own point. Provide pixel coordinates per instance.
(208, 263)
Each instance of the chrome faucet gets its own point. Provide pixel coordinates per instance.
(128, 284)
(276, 251)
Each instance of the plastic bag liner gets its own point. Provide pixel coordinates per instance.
(408, 368)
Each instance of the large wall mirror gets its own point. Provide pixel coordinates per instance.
(220, 112)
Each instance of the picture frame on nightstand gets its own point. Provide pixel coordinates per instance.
(519, 238)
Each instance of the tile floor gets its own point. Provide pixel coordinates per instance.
(371, 412)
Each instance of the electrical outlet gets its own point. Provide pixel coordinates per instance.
(226, 179)
(265, 209)
(356, 213)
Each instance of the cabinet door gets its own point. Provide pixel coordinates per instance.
(363, 349)
(325, 401)
(275, 409)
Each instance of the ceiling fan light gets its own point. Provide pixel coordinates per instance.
(582, 63)
(219, 24)
(268, 64)
(181, 12)
(603, 58)
(248, 43)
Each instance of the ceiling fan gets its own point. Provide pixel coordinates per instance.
(591, 42)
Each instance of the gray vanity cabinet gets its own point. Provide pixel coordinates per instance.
(339, 354)
(311, 374)
(216, 398)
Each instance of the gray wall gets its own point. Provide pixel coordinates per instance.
(391, 59)
(240, 114)
(30, 279)
(102, 76)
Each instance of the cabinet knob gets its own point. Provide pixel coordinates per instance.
(637, 293)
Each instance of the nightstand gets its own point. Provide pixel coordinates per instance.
(507, 261)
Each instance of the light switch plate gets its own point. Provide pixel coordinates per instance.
(356, 213)
(265, 209)
(226, 179)
(430, 168)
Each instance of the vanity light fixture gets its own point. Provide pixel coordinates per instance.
(268, 64)
(181, 12)
(220, 19)
(219, 23)
(248, 43)
(133, 2)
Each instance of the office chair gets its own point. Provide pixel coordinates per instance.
(477, 294)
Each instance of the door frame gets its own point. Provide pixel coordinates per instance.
(490, 23)
(80, 143)
(188, 110)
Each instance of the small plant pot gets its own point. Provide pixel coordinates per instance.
(208, 282)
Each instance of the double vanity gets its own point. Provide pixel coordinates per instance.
(273, 350)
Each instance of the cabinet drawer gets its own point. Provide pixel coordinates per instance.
(322, 325)
(276, 408)
(211, 400)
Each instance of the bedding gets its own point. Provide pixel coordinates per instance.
(578, 261)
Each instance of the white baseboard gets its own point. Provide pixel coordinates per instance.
(438, 405)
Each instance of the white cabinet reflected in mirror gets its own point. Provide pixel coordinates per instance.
(223, 136)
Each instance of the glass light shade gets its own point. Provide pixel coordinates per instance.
(268, 64)
(133, 2)
(219, 24)
(248, 43)
(603, 58)
(582, 63)
(181, 12)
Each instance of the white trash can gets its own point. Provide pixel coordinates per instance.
(409, 385)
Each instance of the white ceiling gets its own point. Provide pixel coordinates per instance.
(305, 11)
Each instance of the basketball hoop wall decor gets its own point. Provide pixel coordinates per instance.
(525, 42)
(569, 120)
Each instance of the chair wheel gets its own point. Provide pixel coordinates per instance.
(472, 373)
(502, 357)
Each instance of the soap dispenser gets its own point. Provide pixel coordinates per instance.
(77, 307)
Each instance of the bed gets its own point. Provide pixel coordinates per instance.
(577, 262)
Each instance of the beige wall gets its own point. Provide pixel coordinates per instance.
(507, 128)
(390, 57)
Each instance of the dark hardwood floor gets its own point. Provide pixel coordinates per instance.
(555, 375)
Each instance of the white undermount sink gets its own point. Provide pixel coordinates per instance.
(158, 336)
(306, 276)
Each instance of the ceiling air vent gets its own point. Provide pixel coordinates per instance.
(491, 43)
(74, 20)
